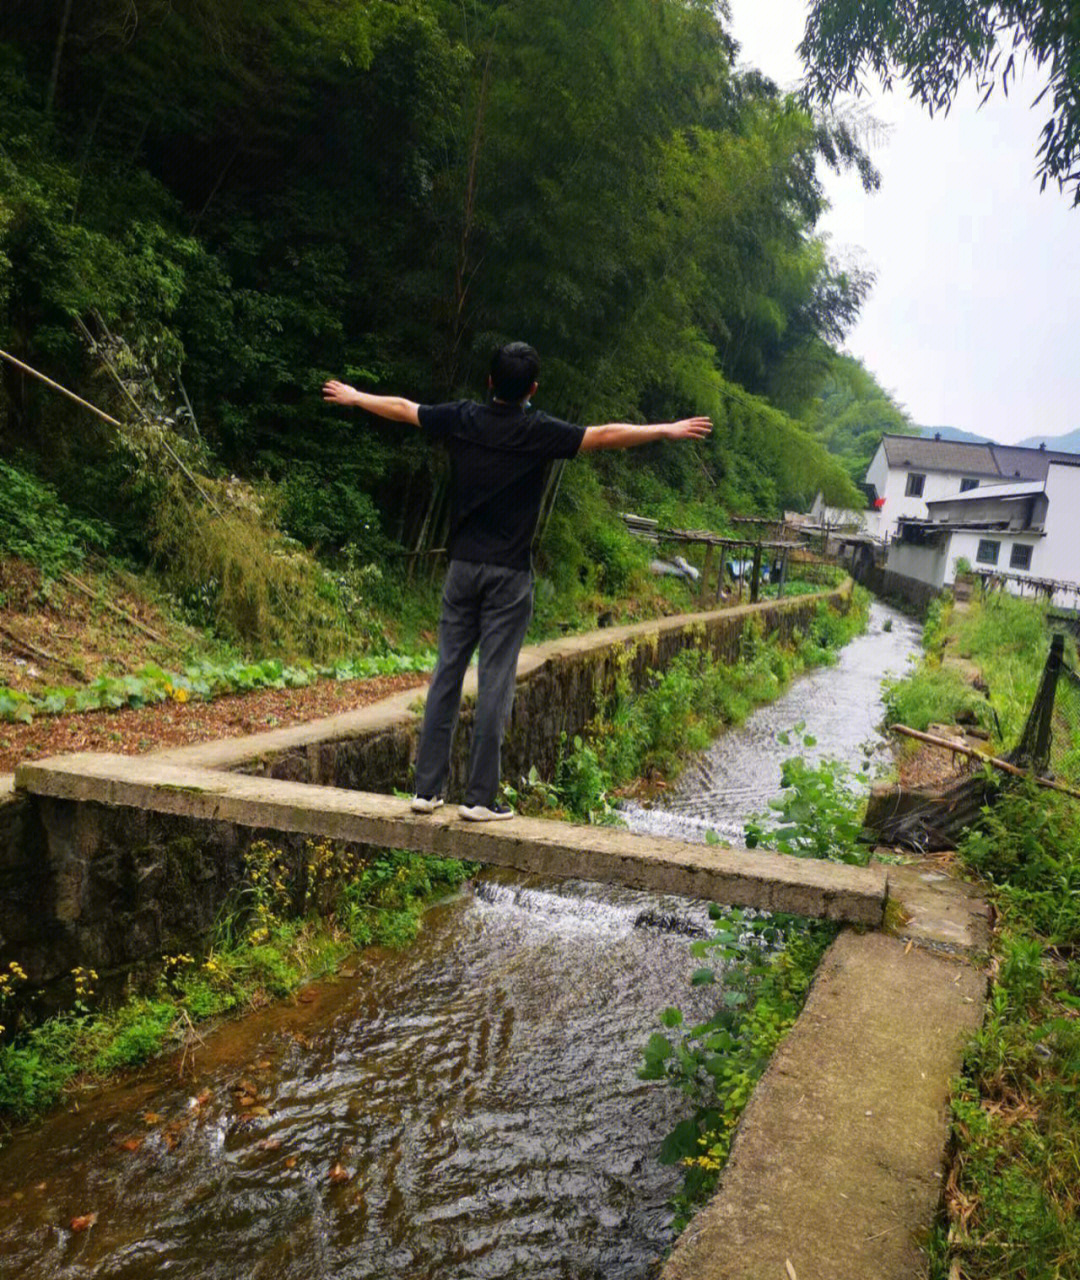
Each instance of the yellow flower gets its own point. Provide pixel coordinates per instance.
(180, 695)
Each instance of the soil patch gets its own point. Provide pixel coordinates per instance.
(171, 724)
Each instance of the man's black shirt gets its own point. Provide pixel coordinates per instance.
(499, 460)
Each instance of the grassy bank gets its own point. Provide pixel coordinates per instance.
(1012, 1200)
(649, 735)
(768, 963)
(285, 926)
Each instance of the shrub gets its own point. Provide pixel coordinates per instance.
(37, 526)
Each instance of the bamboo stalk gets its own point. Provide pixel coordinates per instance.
(25, 368)
(79, 585)
(31, 650)
(950, 744)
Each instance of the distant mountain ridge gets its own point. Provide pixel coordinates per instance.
(954, 433)
(1067, 443)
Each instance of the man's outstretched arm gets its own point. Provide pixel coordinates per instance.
(392, 407)
(624, 435)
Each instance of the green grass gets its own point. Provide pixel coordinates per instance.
(260, 949)
(1012, 1202)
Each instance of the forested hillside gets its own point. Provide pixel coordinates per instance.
(207, 210)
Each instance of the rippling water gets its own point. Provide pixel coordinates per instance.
(480, 1090)
(740, 773)
(477, 1092)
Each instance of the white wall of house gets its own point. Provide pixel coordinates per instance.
(1059, 555)
(925, 563)
(892, 484)
(935, 564)
(964, 545)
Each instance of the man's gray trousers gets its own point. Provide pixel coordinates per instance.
(487, 605)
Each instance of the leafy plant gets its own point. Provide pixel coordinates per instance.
(203, 680)
(765, 965)
(37, 526)
(819, 812)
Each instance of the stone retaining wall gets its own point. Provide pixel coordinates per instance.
(894, 586)
(112, 888)
(561, 687)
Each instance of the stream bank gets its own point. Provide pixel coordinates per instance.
(469, 1107)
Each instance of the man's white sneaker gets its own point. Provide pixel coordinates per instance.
(481, 812)
(426, 804)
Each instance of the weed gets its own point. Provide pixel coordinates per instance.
(818, 814)
(287, 921)
(768, 965)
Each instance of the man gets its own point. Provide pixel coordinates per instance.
(500, 453)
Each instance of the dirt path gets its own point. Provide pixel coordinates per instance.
(169, 724)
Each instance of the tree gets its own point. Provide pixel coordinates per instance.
(935, 45)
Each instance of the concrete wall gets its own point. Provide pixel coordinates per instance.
(556, 696)
(891, 483)
(112, 888)
(1059, 554)
(891, 585)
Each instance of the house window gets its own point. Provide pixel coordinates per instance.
(968, 483)
(915, 482)
(1021, 556)
(988, 551)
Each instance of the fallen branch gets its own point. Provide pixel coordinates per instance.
(951, 744)
(30, 650)
(79, 585)
(33, 651)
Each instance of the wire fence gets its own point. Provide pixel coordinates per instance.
(1063, 762)
(1050, 743)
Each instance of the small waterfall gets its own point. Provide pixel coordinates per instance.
(580, 906)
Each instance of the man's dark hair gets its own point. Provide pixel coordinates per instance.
(514, 368)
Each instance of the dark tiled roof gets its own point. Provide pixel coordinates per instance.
(940, 455)
(1005, 461)
(1028, 464)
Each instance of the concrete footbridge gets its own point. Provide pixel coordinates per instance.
(738, 877)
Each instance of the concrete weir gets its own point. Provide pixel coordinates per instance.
(767, 881)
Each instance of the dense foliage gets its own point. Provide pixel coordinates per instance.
(205, 211)
(1011, 1197)
(851, 413)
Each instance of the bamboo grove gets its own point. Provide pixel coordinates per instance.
(209, 209)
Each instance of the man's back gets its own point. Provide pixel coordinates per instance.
(499, 459)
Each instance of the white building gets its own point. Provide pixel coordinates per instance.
(1027, 531)
(908, 473)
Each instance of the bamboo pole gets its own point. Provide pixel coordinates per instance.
(25, 368)
(950, 744)
(703, 593)
(86, 590)
(720, 576)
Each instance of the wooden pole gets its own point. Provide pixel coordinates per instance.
(783, 573)
(755, 575)
(950, 744)
(720, 575)
(703, 594)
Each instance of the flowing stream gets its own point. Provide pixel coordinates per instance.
(465, 1109)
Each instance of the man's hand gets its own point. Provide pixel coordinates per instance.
(623, 435)
(392, 407)
(689, 429)
(340, 393)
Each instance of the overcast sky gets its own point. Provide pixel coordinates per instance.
(973, 320)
